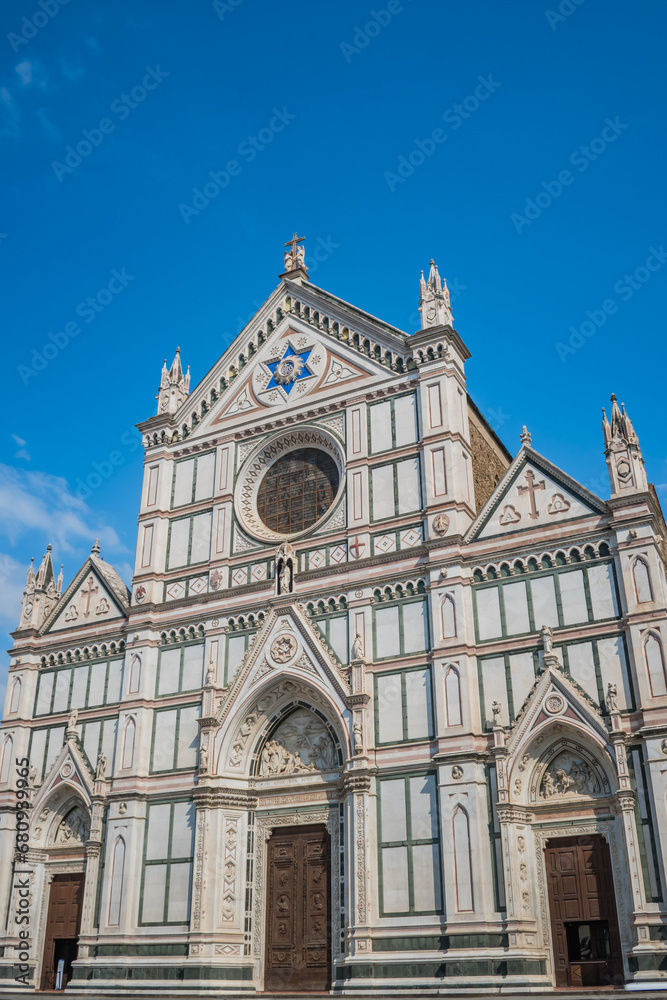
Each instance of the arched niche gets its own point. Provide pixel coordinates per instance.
(239, 741)
(564, 766)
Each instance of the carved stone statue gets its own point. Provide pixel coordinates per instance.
(71, 723)
(285, 578)
(547, 639)
(358, 648)
(100, 774)
(358, 734)
(300, 744)
(612, 697)
(33, 777)
(210, 673)
(574, 776)
(203, 758)
(496, 709)
(75, 827)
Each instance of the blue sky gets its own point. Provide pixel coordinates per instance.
(520, 145)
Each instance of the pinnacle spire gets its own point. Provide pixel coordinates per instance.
(95, 551)
(174, 385)
(434, 302)
(622, 451)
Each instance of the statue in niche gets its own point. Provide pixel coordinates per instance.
(300, 744)
(203, 758)
(358, 648)
(100, 773)
(358, 735)
(285, 569)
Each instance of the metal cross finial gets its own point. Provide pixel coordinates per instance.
(294, 257)
(293, 243)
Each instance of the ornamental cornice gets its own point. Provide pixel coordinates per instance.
(513, 814)
(212, 797)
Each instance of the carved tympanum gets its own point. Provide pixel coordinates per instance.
(300, 743)
(569, 775)
(74, 829)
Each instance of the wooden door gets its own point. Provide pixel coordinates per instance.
(584, 925)
(298, 919)
(62, 925)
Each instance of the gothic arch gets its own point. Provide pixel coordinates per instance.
(655, 663)
(15, 697)
(116, 886)
(448, 617)
(129, 735)
(642, 580)
(453, 696)
(465, 902)
(564, 762)
(244, 732)
(6, 760)
(298, 740)
(48, 818)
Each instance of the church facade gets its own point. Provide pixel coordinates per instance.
(385, 707)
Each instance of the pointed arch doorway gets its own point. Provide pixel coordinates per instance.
(582, 905)
(298, 918)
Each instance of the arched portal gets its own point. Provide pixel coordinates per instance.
(565, 777)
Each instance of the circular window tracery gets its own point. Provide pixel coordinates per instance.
(297, 490)
(290, 484)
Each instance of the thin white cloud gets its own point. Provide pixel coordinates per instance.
(32, 73)
(10, 114)
(38, 501)
(71, 67)
(24, 70)
(48, 127)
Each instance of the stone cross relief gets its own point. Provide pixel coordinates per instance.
(87, 593)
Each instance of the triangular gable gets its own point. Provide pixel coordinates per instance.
(533, 493)
(278, 314)
(71, 768)
(97, 594)
(295, 363)
(287, 641)
(556, 697)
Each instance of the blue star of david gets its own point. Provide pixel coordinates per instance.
(288, 370)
